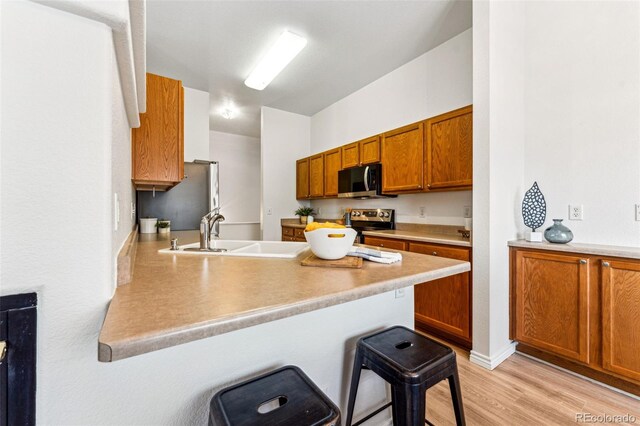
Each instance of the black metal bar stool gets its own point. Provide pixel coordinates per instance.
(411, 363)
(282, 397)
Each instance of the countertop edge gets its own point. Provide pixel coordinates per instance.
(114, 351)
(582, 248)
(419, 238)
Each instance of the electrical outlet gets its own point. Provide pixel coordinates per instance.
(399, 293)
(116, 211)
(466, 211)
(575, 212)
(638, 212)
(133, 211)
(422, 211)
(269, 211)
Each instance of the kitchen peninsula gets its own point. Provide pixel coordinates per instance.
(173, 299)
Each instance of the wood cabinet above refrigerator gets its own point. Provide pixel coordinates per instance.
(157, 146)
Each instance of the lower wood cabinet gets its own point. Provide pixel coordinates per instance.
(621, 317)
(442, 307)
(551, 306)
(289, 233)
(581, 312)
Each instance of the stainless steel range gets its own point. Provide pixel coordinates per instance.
(372, 220)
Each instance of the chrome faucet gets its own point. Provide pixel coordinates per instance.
(210, 223)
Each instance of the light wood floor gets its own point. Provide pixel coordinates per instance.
(522, 391)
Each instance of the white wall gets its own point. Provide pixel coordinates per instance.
(239, 159)
(196, 125)
(59, 85)
(498, 161)
(436, 82)
(284, 139)
(62, 122)
(120, 169)
(583, 114)
(558, 103)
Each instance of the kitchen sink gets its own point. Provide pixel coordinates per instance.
(240, 248)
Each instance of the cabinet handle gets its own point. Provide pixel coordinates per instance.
(428, 185)
(381, 245)
(605, 264)
(583, 262)
(435, 253)
(420, 186)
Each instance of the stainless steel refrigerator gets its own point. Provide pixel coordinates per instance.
(186, 203)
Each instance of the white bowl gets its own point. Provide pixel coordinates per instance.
(331, 248)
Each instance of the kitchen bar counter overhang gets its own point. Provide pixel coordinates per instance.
(173, 299)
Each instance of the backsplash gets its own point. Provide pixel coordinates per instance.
(441, 208)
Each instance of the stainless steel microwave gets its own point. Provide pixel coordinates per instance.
(361, 182)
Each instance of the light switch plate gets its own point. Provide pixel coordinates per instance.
(638, 212)
(466, 211)
(399, 293)
(421, 211)
(575, 211)
(116, 211)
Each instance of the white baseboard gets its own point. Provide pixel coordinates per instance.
(493, 361)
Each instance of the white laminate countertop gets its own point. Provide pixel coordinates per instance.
(174, 299)
(593, 249)
(424, 237)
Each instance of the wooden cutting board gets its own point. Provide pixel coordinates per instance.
(345, 262)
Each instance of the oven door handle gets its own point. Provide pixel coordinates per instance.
(366, 178)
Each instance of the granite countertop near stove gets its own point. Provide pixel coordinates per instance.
(438, 234)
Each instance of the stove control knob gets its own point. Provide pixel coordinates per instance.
(356, 213)
(386, 214)
(381, 214)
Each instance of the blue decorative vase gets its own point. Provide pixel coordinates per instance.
(558, 233)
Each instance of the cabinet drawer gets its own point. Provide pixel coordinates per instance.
(299, 234)
(440, 250)
(385, 243)
(287, 231)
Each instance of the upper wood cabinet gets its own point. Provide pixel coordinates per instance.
(316, 176)
(366, 151)
(449, 150)
(350, 155)
(621, 317)
(551, 309)
(158, 144)
(402, 159)
(332, 162)
(302, 179)
(369, 150)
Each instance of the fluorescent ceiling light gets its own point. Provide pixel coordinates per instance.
(280, 54)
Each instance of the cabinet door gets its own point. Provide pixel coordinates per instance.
(316, 176)
(444, 305)
(621, 317)
(350, 155)
(552, 303)
(331, 168)
(158, 144)
(449, 149)
(385, 243)
(370, 150)
(402, 160)
(302, 179)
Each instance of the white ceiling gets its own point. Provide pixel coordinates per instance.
(214, 45)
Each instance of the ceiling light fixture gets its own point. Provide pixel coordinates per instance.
(228, 113)
(280, 54)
